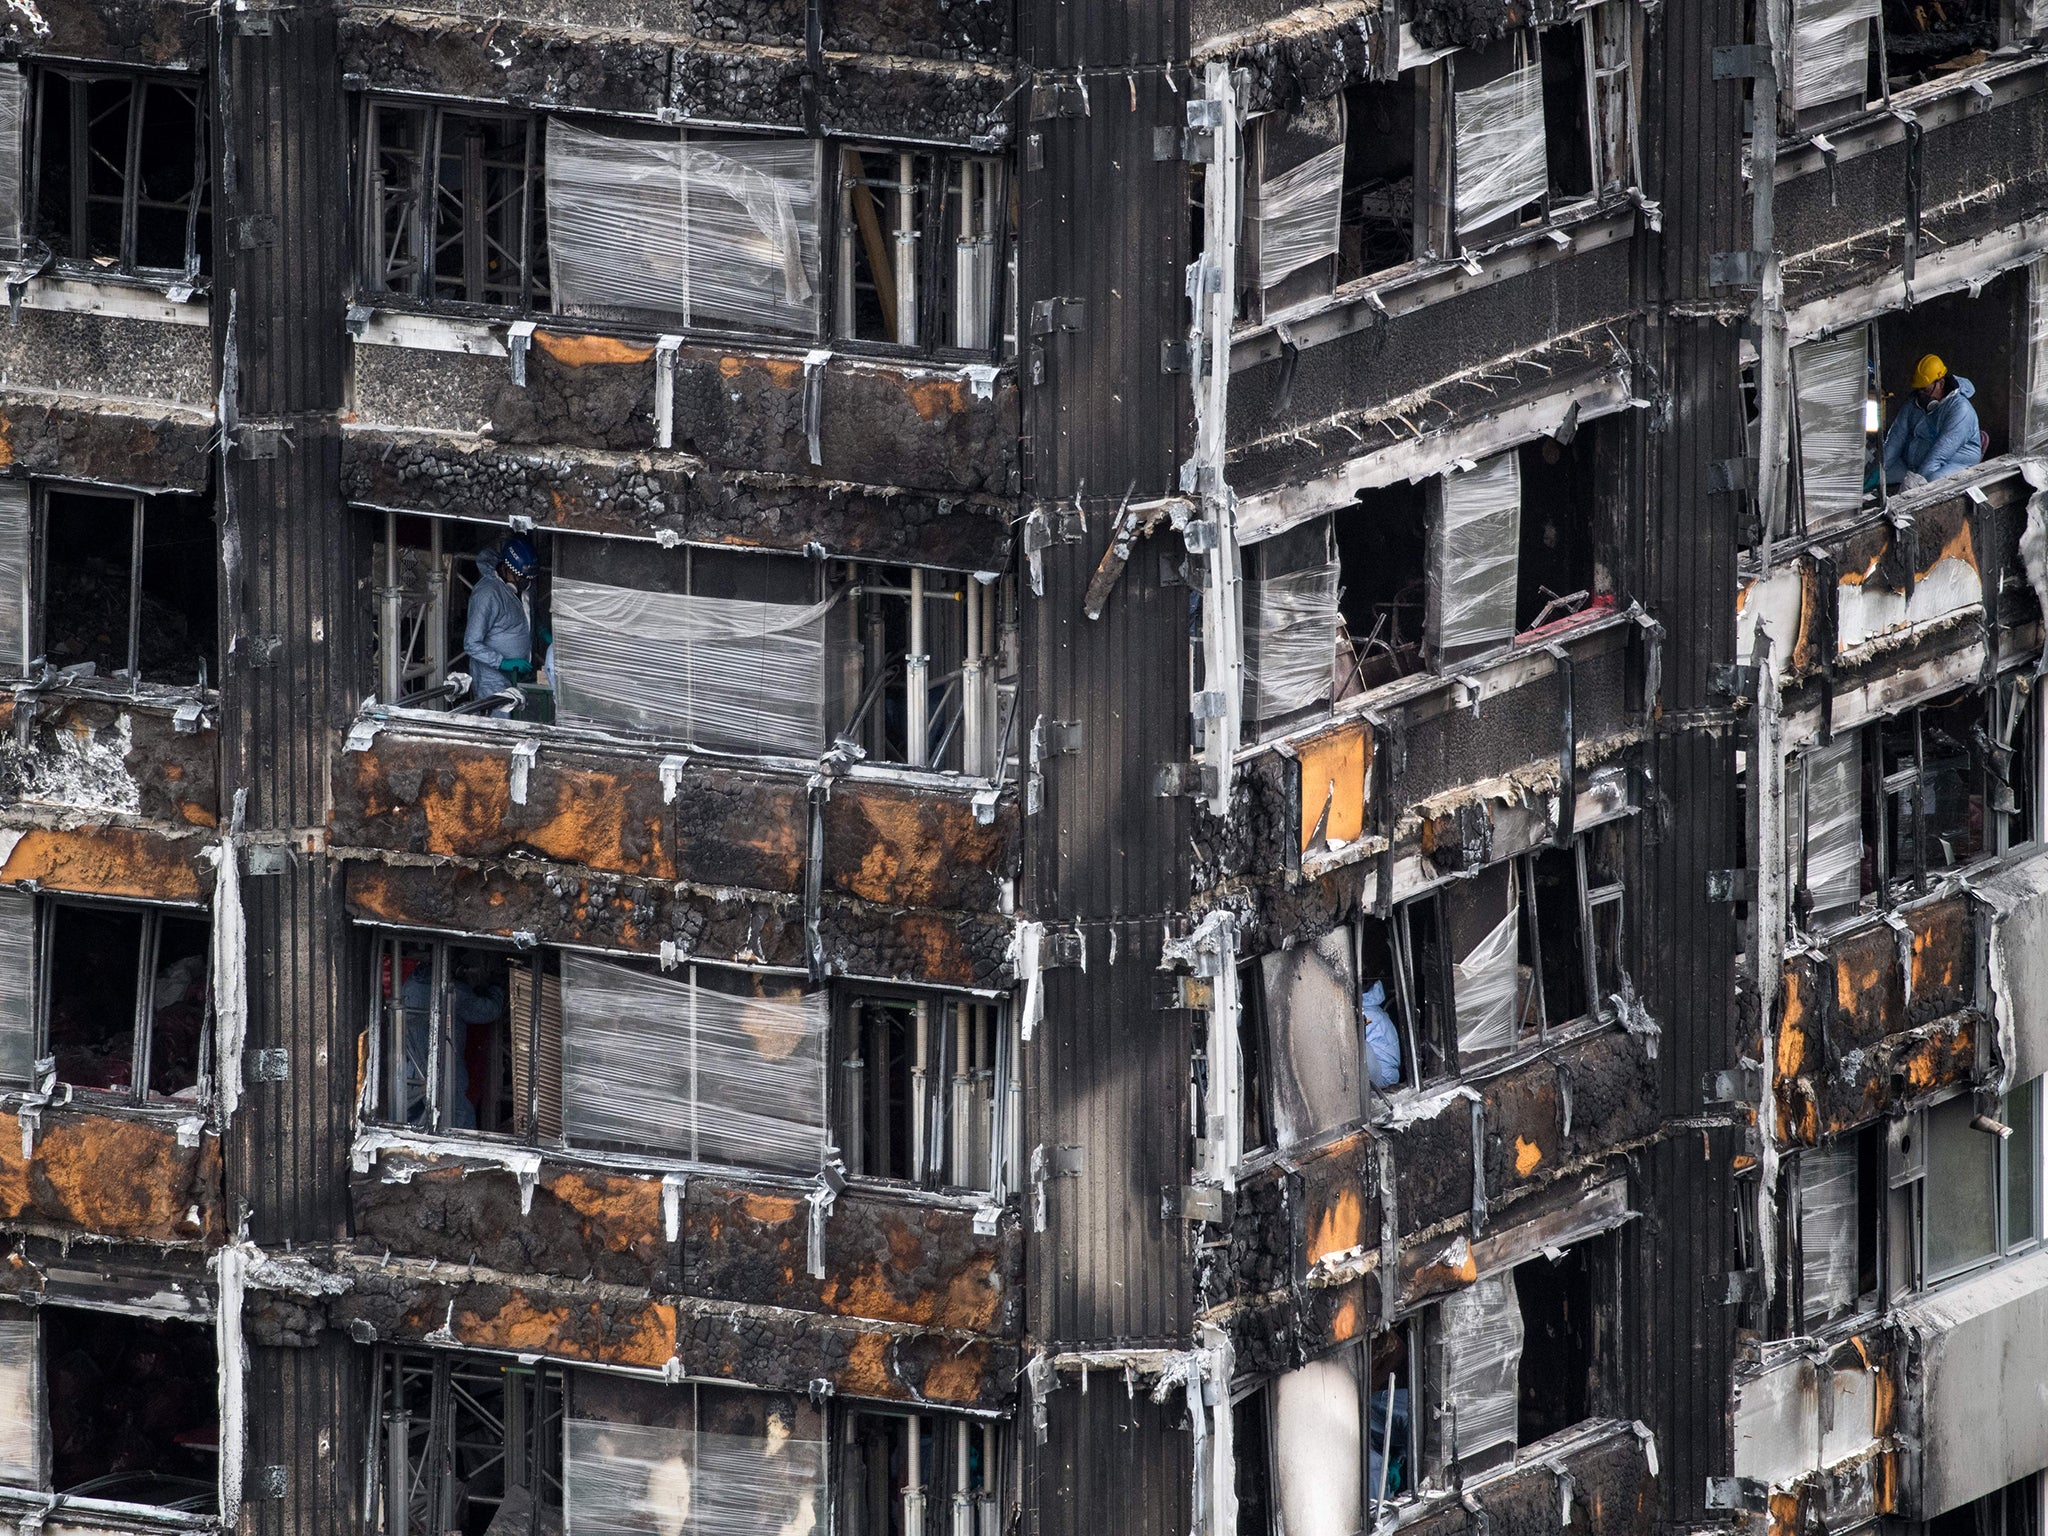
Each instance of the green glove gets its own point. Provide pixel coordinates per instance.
(518, 671)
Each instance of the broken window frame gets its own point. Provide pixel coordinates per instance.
(938, 1094)
(400, 232)
(432, 1476)
(936, 1498)
(386, 1086)
(141, 1049)
(197, 203)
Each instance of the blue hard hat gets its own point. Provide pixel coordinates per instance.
(520, 556)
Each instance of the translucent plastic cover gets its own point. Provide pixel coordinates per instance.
(1827, 1226)
(725, 673)
(13, 96)
(21, 1454)
(718, 231)
(1830, 50)
(1499, 143)
(1300, 214)
(1482, 1333)
(1478, 546)
(1483, 990)
(640, 1480)
(17, 988)
(674, 1065)
(1834, 824)
(14, 577)
(1312, 1014)
(1290, 663)
(2035, 422)
(1832, 378)
(1317, 1443)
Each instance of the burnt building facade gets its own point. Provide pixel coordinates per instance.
(1237, 804)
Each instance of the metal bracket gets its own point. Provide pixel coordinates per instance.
(1195, 780)
(518, 339)
(1050, 315)
(268, 859)
(271, 1064)
(186, 719)
(1173, 357)
(1062, 738)
(259, 440)
(1066, 1162)
(1201, 1202)
(1733, 1085)
(1733, 680)
(1058, 98)
(1728, 476)
(1735, 269)
(255, 229)
(1738, 1493)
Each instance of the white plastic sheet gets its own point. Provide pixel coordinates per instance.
(14, 577)
(1312, 1015)
(1499, 143)
(1300, 215)
(21, 1447)
(1290, 663)
(1830, 50)
(1316, 1443)
(1477, 556)
(17, 988)
(13, 98)
(724, 673)
(1833, 382)
(640, 1480)
(672, 1065)
(1483, 986)
(1827, 1230)
(718, 231)
(1482, 1334)
(1834, 824)
(2034, 423)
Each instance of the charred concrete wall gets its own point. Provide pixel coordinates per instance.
(162, 34)
(145, 1177)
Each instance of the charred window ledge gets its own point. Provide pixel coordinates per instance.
(1374, 300)
(1445, 1508)
(165, 1184)
(72, 1513)
(1935, 104)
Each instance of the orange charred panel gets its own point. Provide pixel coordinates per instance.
(1340, 1212)
(905, 847)
(113, 1176)
(637, 1334)
(1944, 956)
(1334, 771)
(110, 861)
(581, 351)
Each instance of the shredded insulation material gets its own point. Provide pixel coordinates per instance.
(717, 231)
(1290, 663)
(1482, 1334)
(1827, 1230)
(724, 673)
(1312, 1018)
(677, 1066)
(1830, 50)
(1483, 985)
(17, 989)
(1502, 163)
(1318, 1445)
(1473, 575)
(643, 1480)
(21, 1419)
(1834, 824)
(1832, 377)
(1300, 215)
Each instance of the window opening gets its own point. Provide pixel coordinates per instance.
(1291, 602)
(1425, 976)
(2014, 1510)
(129, 586)
(882, 198)
(919, 1474)
(1831, 48)
(1558, 1301)
(1380, 229)
(1980, 1188)
(1382, 554)
(121, 179)
(122, 986)
(467, 1444)
(1255, 1121)
(923, 1088)
(1294, 186)
(978, 217)
(1982, 341)
(1555, 571)
(1499, 145)
(1569, 156)
(133, 1412)
(451, 1043)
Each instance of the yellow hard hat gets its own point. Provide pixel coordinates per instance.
(1929, 369)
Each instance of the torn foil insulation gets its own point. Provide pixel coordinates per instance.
(1300, 215)
(728, 1073)
(1476, 555)
(1290, 651)
(1482, 1336)
(717, 230)
(728, 674)
(1501, 159)
(1832, 378)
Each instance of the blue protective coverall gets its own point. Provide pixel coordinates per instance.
(1382, 1039)
(1935, 442)
(496, 629)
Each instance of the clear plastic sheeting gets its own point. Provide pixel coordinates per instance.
(17, 989)
(1482, 1334)
(13, 100)
(1312, 1015)
(1830, 50)
(1316, 1443)
(725, 673)
(2034, 420)
(641, 1480)
(1300, 215)
(1478, 546)
(676, 1066)
(14, 577)
(1827, 1231)
(1502, 163)
(1483, 985)
(1834, 825)
(1290, 662)
(718, 231)
(21, 1451)
(1833, 382)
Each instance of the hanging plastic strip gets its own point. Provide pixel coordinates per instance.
(1834, 824)
(723, 673)
(2035, 419)
(1483, 986)
(1502, 164)
(14, 577)
(1482, 1334)
(1827, 1231)
(21, 1458)
(643, 1480)
(1300, 214)
(1833, 381)
(17, 989)
(716, 230)
(678, 1066)
(1830, 50)
(1477, 554)
(1290, 662)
